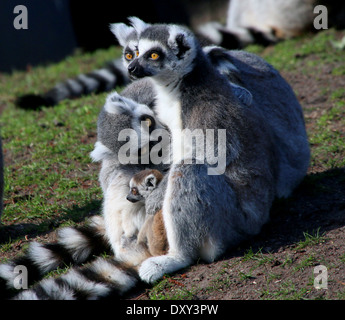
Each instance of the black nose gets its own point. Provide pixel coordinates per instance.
(129, 198)
(131, 68)
(135, 70)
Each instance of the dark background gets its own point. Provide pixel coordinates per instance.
(57, 27)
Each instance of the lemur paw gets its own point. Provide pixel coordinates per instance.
(151, 270)
(154, 268)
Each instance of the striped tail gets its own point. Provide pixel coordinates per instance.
(100, 279)
(74, 246)
(97, 81)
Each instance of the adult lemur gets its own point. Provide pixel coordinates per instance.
(267, 156)
(267, 152)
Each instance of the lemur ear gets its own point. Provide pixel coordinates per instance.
(150, 181)
(179, 41)
(138, 24)
(182, 45)
(121, 32)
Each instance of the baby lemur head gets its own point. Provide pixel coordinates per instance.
(163, 51)
(142, 184)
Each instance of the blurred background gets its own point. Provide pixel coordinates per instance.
(57, 27)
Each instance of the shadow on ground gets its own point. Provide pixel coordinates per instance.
(317, 205)
(75, 213)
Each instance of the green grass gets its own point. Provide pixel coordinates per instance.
(305, 263)
(50, 170)
(166, 289)
(49, 177)
(288, 55)
(288, 291)
(328, 136)
(311, 239)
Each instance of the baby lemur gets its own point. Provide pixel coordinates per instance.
(153, 232)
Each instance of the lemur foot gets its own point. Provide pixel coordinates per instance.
(154, 268)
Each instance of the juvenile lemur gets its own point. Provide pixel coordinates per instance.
(153, 231)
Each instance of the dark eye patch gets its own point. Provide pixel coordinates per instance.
(129, 54)
(157, 50)
(150, 121)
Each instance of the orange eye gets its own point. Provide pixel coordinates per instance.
(154, 56)
(137, 53)
(134, 191)
(129, 56)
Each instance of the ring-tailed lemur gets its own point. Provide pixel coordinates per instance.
(153, 231)
(267, 152)
(127, 37)
(121, 220)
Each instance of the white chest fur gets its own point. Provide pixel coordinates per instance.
(168, 110)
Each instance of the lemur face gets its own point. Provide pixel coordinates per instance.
(134, 195)
(164, 51)
(124, 129)
(142, 184)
